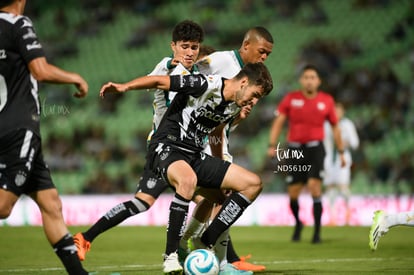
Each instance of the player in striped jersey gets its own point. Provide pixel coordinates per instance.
(175, 152)
(22, 168)
(257, 45)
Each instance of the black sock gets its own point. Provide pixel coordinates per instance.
(231, 210)
(294, 207)
(115, 216)
(176, 223)
(231, 253)
(317, 214)
(66, 250)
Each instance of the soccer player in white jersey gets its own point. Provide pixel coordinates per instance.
(185, 44)
(383, 221)
(257, 45)
(337, 179)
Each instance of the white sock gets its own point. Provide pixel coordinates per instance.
(402, 218)
(193, 228)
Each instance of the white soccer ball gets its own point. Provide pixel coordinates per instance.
(201, 262)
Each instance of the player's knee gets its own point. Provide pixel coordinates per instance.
(7, 202)
(255, 186)
(256, 182)
(187, 185)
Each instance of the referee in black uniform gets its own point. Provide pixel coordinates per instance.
(22, 168)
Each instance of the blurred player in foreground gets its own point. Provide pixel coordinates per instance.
(307, 110)
(22, 168)
(382, 222)
(337, 178)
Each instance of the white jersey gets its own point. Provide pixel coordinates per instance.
(163, 99)
(333, 170)
(226, 64)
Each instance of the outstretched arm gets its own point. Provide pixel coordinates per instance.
(44, 72)
(274, 134)
(145, 82)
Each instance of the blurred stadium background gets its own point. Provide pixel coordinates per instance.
(364, 48)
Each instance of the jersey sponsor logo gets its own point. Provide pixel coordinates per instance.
(297, 102)
(34, 45)
(321, 106)
(3, 54)
(203, 129)
(210, 114)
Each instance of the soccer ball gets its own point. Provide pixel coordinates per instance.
(201, 261)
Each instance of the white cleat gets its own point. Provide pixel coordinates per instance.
(378, 229)
(171, 265)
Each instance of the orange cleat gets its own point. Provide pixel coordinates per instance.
(244, 265)
(82, 245)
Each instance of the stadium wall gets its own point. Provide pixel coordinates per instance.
(267, 210)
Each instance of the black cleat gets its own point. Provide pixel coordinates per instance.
(316, 239)
(297, 232)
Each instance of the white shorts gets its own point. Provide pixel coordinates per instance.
(335, 174)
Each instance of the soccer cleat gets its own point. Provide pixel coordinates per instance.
(83, 246)
(316, 239)
(378, 229)
(242, 264)
(297, 232)
(171, 265)
(230, 269)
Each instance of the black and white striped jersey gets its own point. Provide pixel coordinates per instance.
(19, 101)
(198, 107)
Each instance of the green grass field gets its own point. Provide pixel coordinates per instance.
(137, 250)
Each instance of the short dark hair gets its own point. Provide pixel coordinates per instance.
(258, 74)
(206, 50)
(263, 32)
(188, 30)
(311, 68)
(5, 3)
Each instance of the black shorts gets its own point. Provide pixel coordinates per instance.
(22, 168)
(304, 162)
(210, 170)
(150, 183)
